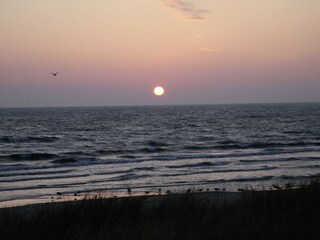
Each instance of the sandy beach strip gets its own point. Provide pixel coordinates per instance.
(153, 196)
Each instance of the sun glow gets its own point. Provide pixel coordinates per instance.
(158, 91)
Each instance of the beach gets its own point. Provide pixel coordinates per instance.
(60, 198)
(278, 214)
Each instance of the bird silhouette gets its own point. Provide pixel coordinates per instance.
(55, 74)
(129, 190)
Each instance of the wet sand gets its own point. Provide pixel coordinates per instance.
(214, 196)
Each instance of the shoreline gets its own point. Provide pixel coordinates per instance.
(93, 196)
(68, 198)
(79, 196)
(252, 215)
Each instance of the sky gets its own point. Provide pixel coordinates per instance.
(115, 52)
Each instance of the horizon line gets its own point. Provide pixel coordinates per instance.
(164, 105)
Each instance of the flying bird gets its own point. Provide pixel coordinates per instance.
(55, 74)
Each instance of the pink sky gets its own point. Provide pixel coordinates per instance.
(116, 52)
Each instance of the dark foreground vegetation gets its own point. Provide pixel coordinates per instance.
(284, 214)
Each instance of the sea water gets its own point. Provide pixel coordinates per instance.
(107, 149)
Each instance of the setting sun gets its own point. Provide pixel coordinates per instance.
(158, 91)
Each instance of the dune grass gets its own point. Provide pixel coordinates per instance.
(285, 214)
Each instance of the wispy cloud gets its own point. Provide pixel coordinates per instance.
(208, 50)
(186, 8)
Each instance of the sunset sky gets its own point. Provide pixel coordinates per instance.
(114, 52)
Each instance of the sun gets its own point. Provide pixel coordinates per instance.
(158, 91)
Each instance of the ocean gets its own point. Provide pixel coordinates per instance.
(107, 149)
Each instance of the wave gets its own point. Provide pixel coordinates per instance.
(198, 147)
(264, 168)
(156, 144)
(228, 142)
(150, 149)
(114, 172)
(74, 161)
(143, 169)
(22, 167)
(21, 139)
(251, 179)
(45, 178)
(129, 176)
(112, 152)
(33, 187)
(64, 160)
(201, 164)
(255, 116)
(230, 155)
(279, 145)
(30, 156)
(281, 160)
(165, 158)
(310, 166)
(228, 145)
(58, 163)
(34, 173)
(287, 177)
(128, 156)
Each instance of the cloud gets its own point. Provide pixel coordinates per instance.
(208, 50)
(186, 8)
